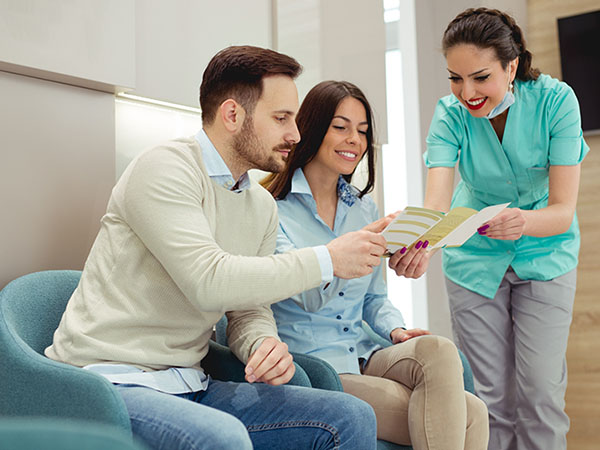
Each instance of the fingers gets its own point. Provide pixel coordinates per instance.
(271, 363)
(355, 254)
(411, 264)
(379, 225)
(416, 332)
(285, 377)
(508, 225)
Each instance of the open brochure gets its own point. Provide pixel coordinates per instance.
(441, 230)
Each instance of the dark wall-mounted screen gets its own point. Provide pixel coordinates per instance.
(579, 39)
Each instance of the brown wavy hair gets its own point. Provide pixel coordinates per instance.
(313, 120)
(491, 28)
(237, 72)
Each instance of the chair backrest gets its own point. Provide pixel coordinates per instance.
(31, 306)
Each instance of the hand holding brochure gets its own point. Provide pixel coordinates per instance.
(441, 230)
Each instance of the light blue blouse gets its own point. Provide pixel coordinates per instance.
(326, 321)
(543, 128)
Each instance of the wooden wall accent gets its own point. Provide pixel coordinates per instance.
(583, 354)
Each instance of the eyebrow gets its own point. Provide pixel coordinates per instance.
(284, 111)
(348, 120)
(471, 74)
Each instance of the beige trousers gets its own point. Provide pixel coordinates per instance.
(416, 389)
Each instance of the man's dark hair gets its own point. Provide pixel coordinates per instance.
(237, 72)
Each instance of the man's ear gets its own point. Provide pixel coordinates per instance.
(232, 115)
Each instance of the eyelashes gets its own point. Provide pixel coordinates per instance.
(480, 79)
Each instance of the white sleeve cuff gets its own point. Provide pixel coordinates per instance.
(325, 263)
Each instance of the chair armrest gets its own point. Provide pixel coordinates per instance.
(60, 434)
(68, 391)
(319, 372)
(221, 364)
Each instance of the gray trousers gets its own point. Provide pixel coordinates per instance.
(516, 344)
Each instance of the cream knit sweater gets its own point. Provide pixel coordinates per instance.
(175, 252)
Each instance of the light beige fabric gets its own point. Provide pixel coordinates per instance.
(175, 252)
(417, 392)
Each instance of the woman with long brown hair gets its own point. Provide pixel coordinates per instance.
(414, 386)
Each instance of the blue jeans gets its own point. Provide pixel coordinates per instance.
(244, 416)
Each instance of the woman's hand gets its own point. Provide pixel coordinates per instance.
(508, 225)
(412, 263)
(400, 334)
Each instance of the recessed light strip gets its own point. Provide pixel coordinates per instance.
(152, 101)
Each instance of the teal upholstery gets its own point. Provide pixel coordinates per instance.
(32, 385)
(323, 376)
(60, 434)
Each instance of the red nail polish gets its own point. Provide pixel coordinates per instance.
(418, 246)
(403, 251)
(425, 244)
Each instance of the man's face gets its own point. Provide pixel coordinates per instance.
(268, 135)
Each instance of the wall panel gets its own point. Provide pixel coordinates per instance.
(56, 173)
(583, 392)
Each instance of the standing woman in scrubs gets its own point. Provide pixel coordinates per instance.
(516, 136)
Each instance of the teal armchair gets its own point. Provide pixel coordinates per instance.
(32, 385)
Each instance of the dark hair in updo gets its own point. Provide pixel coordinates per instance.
(490, 28)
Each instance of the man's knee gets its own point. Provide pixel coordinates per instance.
(230, 434)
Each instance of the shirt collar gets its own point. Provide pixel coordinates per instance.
(346, 192)
(215, 165)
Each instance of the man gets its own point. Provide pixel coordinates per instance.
(188, 237)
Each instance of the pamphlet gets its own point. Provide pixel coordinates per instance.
(441, 230)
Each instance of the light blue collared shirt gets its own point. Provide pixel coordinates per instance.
(326, 321)
(180, 380)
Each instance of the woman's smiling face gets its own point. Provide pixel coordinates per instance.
(477, 78)
(345, 142)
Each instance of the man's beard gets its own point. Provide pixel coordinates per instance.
(250, 148)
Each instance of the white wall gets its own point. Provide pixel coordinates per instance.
(56, 173)
(175, 39)
(87, 43)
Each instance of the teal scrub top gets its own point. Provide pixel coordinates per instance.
(543, 128)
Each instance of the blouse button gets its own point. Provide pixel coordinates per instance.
(346, 329)
(338, 317)
(351, 349)
(341, 294)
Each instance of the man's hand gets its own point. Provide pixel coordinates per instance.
(271, 363)
(412, 263)
(401, 335)
(379, 225)
(355, 254)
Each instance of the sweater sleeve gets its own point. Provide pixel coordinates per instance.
(247, 329)
(163, 204)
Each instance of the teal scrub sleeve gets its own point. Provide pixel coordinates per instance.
(567, 146)
(443, 143)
